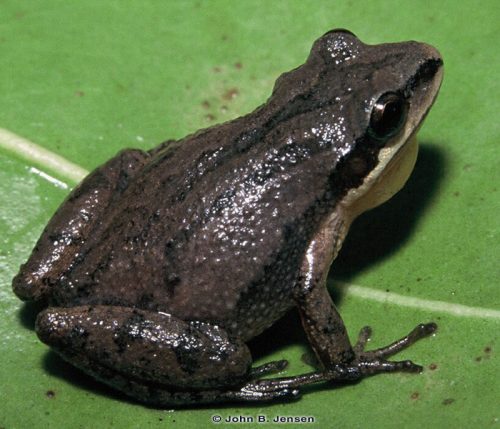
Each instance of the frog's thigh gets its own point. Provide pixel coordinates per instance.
(120, 344)
(73, 223)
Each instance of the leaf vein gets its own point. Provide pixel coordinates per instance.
(422, 304)
(34, 153)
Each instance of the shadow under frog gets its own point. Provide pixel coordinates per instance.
(377, 234)
(161, 265)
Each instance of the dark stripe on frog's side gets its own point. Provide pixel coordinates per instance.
(296, 237)
(301, 153)
(305, 150)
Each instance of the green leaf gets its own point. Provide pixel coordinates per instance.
(86, 79)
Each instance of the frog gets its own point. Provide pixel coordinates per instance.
(161, 265)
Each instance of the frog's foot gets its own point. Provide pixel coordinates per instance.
(364, 364)
(375, 361)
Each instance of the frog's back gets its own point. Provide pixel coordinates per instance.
(208, 230)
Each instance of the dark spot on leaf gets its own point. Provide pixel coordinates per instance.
(415, 395)
(50, 394)
(433, 366)
(205, 104)
(478, 359)
(487, 349)
(238, 66)
(448, 401)
(230, 94)
(310, 359)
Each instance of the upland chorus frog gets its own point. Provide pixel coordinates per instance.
(161, 265)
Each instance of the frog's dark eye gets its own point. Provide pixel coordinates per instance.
(388, 115)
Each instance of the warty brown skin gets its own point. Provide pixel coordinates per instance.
(160, 265)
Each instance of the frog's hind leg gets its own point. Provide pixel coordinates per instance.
(155, 357)
(73, 222)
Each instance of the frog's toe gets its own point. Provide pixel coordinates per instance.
(363, 338)
(371, 367)
(254, 392)
(268, 368)
(374, 361)
(420, 331)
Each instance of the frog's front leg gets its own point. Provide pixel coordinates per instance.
(156, 357)
(73, 222)
(324, 326)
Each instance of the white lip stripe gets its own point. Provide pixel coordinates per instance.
(421, 304)
(41, 156)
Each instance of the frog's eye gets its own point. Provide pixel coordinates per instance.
(388, 115)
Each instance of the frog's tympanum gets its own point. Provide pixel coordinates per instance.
(161, 265)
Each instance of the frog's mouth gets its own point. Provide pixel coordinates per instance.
(397, 159)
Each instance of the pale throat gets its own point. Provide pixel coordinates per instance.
(388, 177)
